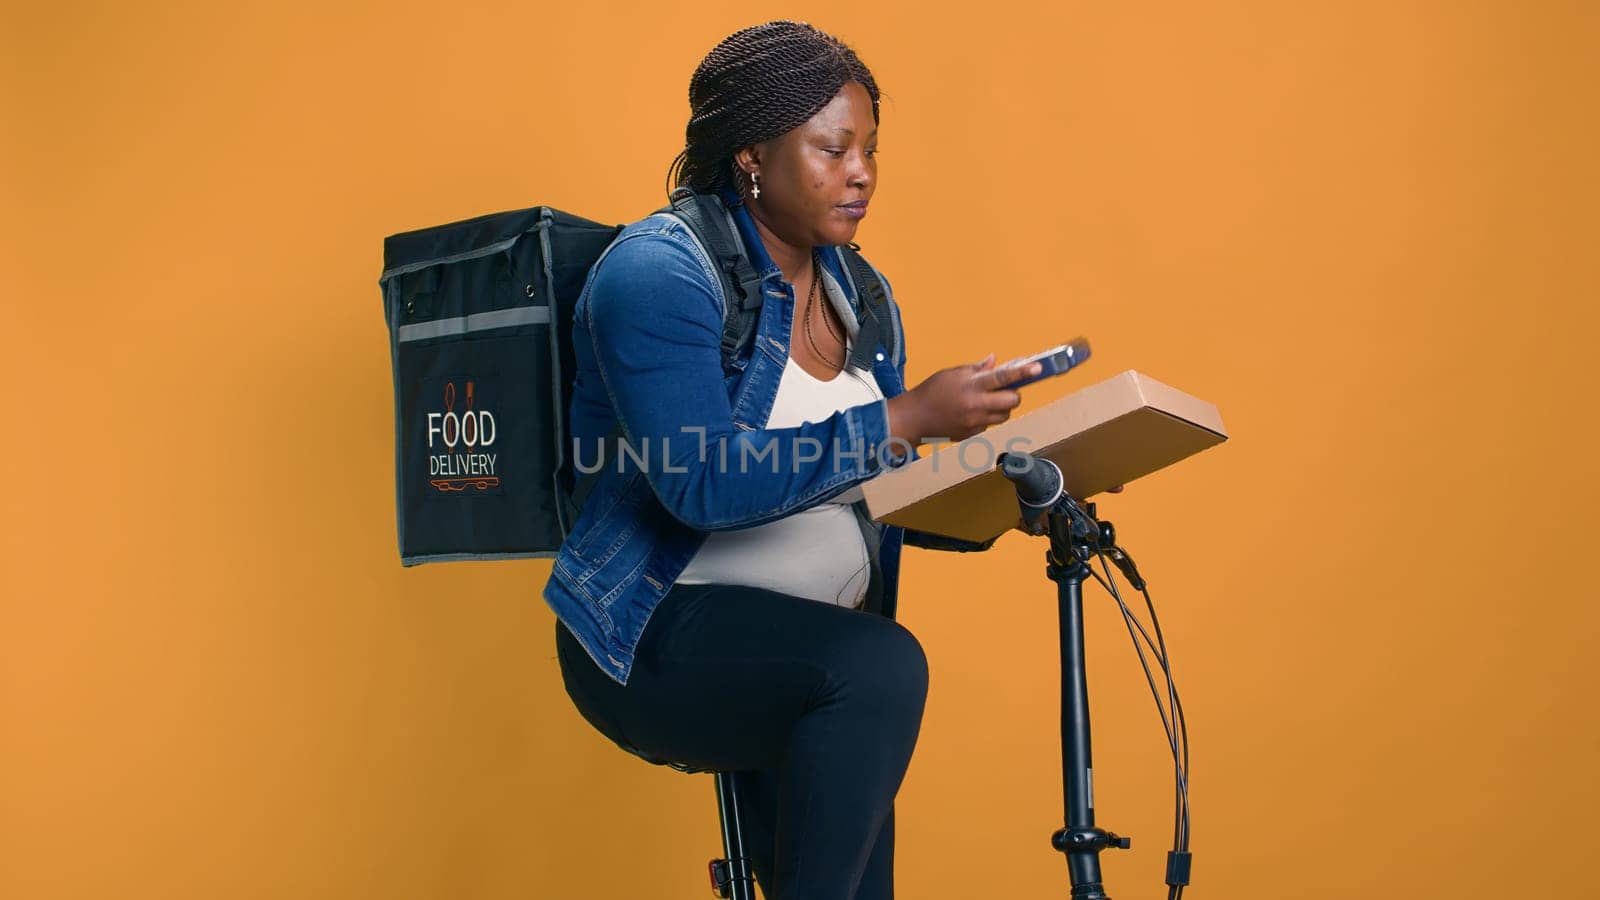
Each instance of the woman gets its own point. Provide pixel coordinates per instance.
(709, 610)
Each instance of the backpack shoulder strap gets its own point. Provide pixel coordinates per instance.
(705, 215)
(876, 324)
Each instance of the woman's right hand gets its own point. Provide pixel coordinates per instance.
(959, 402)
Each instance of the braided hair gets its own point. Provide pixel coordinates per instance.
(758, 84)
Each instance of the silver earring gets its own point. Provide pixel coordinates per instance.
(755, 181)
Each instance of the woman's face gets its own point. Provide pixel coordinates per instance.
(811, 175)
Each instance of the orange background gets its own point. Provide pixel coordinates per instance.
(1366, 231)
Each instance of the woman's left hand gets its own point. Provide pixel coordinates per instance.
(1039, 527)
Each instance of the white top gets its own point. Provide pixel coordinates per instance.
(818, 552)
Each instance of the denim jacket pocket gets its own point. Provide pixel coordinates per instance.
(617, 516)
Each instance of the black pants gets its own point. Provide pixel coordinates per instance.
(816, 708)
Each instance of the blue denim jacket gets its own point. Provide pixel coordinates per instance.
(647, 332)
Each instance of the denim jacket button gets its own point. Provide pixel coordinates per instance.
(880, 357)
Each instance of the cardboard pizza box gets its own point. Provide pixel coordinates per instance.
(1106, 434)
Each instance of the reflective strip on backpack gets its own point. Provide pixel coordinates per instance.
(499, 318)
